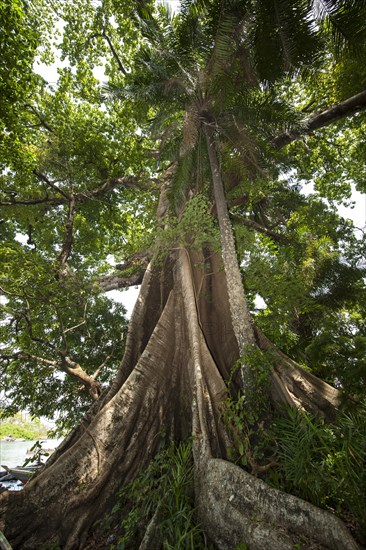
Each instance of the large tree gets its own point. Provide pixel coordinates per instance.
(210, 122)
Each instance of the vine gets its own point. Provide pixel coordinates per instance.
(195, 228)
(253, 446)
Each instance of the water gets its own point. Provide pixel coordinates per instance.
(14, 453)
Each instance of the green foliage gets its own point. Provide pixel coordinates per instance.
(245, 414)
(43, 315)
(20, 429)
(195, 228)
(19, 38)
(164, 490)
(324, 463)
(38, 454)
(18, 432)
(311, 279)
(252, 70)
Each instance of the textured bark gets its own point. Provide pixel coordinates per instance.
(133, 271)
(237, 507)
(241, 319)
(180, 348)
(346, 108)
(113, 282)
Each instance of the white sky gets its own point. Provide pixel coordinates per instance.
(126, 297)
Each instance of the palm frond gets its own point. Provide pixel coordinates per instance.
(283, 36)
(346, 19)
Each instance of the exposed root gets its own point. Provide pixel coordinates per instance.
(235, 508)
(294, 386)
(172, 380)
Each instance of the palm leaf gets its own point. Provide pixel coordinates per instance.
(346, 19)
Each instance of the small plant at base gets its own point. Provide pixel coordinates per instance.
(161, 495)
(253, 444)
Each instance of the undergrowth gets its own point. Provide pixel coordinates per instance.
(323, 463)
(163, 492)
(246, 418)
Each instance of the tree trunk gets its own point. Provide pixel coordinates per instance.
(241, 319)
(240, 316)
(180, 349)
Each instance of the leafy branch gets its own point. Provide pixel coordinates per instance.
(260, 228)
(113, 50)
(131, 182)
(40, 118)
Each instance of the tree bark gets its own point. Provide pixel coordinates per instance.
(179, 353)
(241, 318)
(348, 107)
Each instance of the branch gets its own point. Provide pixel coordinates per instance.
(30, 202)
(138, 259)
(348, 107)
(70, 367)
(137, 263)
(26, 355)
(102, 365)
(113, 282)
(114, 53)
(133, 182)
(29, 323)
(67, 244)
(40, 118)
(260, 228)
(75, 326)
(51, 184)
(66, 365)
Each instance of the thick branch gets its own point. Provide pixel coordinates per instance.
(74, 369)
(51, 184)
(139, 259)
(348, 107)
(113, 282)
(137, 263)
(66, 365)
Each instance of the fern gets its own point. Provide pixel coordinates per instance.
(324, 463)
